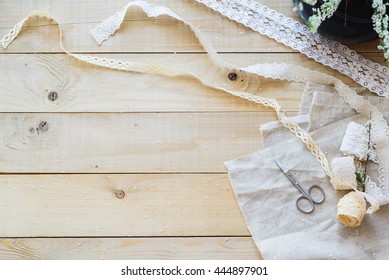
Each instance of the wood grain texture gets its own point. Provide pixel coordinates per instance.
(86, 88)
(138, 34)
(204, 248)
(126, 143)
(87, 205)
(160, 141)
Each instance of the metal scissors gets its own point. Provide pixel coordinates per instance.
(308, 198)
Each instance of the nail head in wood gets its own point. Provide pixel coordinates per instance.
(232, 76)
(120, 194)
(53, 95)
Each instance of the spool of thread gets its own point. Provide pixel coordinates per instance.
(351, 209)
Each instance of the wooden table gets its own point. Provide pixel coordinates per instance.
(75, 138)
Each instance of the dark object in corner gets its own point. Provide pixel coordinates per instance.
(351, 22)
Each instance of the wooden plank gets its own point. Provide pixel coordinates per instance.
(84, 88)
(126, 143)
(90, 205)
(100, 9)
(138, 34)
(203, 248)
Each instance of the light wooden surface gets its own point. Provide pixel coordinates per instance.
(161, 141)
(190, 248)
(153, 205)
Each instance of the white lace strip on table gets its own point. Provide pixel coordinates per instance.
(238, 78)
(297, 36)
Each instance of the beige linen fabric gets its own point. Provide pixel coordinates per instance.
(267, 198)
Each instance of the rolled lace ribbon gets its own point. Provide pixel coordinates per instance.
(351, 209)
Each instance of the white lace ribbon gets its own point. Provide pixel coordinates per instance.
(343, 169)
(356, 143)
(297, 36)
(227, 77)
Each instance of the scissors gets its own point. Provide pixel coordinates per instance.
(306, 201)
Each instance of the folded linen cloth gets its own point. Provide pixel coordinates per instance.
(267, 198)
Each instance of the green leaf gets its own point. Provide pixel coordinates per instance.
(360, 181)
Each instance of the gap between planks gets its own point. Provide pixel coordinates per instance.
(369, 54)
(127, 237)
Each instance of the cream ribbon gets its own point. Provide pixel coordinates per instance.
(351, 209)
(226, 76)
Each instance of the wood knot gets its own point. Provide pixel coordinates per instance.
(43, 126)
(52, 96)
(120, 194)
(232, 76)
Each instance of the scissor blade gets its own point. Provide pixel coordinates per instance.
(283, 169)
(288, 174)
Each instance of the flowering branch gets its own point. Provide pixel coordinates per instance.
(325, 11)
(380, 19)
(380, 24)
(361, 176)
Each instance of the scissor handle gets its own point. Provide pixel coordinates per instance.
(306, 199)
(315, 198)
(302, 200)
